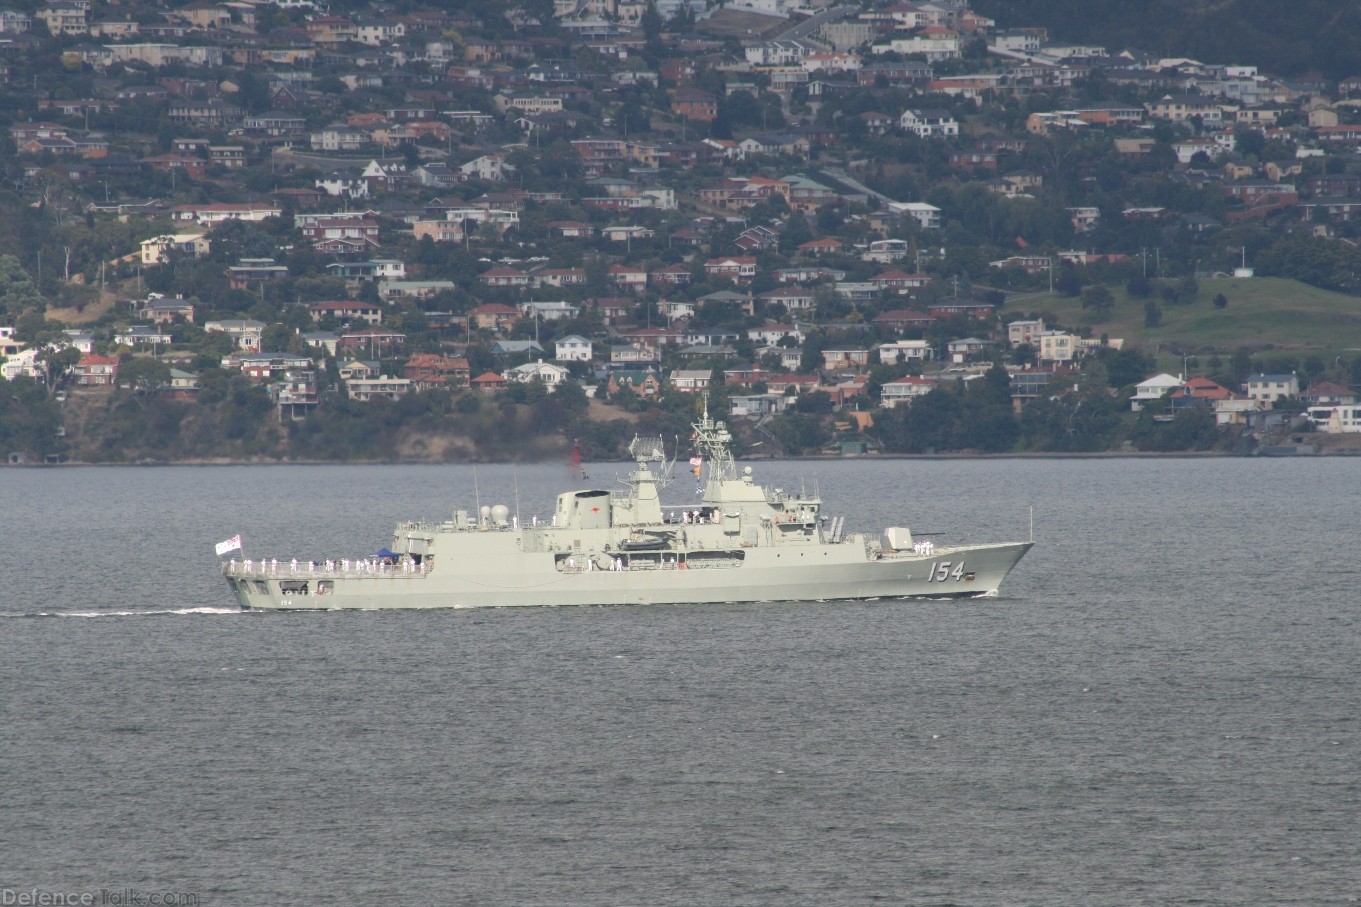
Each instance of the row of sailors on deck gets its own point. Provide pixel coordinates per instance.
(344, 565)
(616, 565)
(691, 516)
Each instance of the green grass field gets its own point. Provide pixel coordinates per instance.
(1262, 312)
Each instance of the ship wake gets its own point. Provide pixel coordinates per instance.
(129, 613)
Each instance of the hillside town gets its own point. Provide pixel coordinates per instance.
(824, 217)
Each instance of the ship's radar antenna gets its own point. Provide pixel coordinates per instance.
(648, 450)
(652, 449)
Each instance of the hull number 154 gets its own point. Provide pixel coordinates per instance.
(942, 572)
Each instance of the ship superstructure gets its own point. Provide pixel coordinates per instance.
(741, 542)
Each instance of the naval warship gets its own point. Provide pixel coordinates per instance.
(741, 542)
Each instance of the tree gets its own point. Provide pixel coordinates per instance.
(1098, 298)
(18, 292)
(58, 361)
(144, 374)
(1153, 314)
(1069, 282)
(1187, 289)
(1139, 287)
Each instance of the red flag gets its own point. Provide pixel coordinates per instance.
(1022, 243)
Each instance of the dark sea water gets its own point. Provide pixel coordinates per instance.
(1160, 708)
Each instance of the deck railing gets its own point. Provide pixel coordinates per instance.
(344, 567)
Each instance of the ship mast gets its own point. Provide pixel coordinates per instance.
(712, 439)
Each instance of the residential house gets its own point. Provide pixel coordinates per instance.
(1055, 346)
(741, 269)
(429, 371)
(690, 381)
(494, 316)
(771, 333)
(965, 349)
(141, 335)
(558, 277)
(517, 348)
(902, 391)
(95, 371)
(373, 340)
(898, 351)
(504, 277)
(929, 123)
(549, 311)
(694, 104)
(634, 354)
(572, 348)
(248, 271)
(265, 366)
(383, 386)
(905, 319)
(1024, 331)
(1336, 418)
(549, 374)
(677, 275)
(208, 213)
(899, 282)
(791, 384)
(627, 277)
(1152, 390)
(246, 333)
(1267, 389)
(795, 299)
(161, 250)
(346, 311)
(840, 360)
(643, 382)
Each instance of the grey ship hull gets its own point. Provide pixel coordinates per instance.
(742, 543)
(847, 570)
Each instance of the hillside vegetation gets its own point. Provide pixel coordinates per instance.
(1307, 36)
(1260, 312)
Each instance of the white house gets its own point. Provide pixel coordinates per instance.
(886, 251)
(690, 380)
(157, 250)
(1336, 419)
(1153, 389)
(772, 333)
(1056, 346)
(1267, 389)
(929, 123)
(549, 311)
(926, 216)
(245, 332)
(572, 348)
(24, 363)
(1024, 331)
(904, 390)
(903, 351)
(381, 386)
(547, 373)
(492, 168)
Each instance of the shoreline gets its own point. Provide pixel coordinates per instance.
(1027, 455)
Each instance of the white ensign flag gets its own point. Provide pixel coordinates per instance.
(231, 544)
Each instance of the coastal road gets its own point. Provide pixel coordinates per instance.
(841, 176)
(808, 26)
